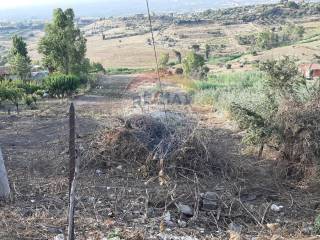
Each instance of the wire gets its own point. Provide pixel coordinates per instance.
(155, 54)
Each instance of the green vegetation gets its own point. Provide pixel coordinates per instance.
(286, 35)
(9, 92)
(317, 225)
(274, 106)
(164, 60)
(97, 68)
(115, 71)
(223, 89)
(20, 62)
(194, 66)
(64, 47)
(224, 59)
(61, 85)
(207, 51)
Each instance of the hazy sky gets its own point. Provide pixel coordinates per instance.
(10, 4)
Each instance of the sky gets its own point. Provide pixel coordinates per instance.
(42, 9)
(11, 4)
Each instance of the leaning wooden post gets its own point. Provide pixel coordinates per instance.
(4, 183)
(72, 172)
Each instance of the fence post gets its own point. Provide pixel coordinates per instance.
(4, 183)
(72, 172)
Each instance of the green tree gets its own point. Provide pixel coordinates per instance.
(18, 46)
(267, 40)
(282, 76)
(20, 66)
(63, 46)
(192, 63)
(19, 60)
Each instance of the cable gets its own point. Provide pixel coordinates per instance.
(155, 55)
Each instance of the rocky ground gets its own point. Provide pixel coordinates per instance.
(240, 198)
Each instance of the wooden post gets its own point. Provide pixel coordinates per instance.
(72, 147)
(4, 183)
(72, 172)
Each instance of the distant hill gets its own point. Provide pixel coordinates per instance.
(105, 8)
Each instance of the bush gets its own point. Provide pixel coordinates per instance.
(97, 68)
(28, 87)
(61, 85)
(164, 59)
(10, 92)
(29, 100)
(317, 225)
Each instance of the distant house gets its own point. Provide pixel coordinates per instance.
(39, 75)
(310, 70)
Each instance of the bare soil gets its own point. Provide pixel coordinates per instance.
(118, 200)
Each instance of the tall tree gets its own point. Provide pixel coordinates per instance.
(19, 47)
(63, 46)
(20, 62)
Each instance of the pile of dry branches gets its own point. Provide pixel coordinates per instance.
(144, 141)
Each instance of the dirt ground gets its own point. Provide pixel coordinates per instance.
(116, 202)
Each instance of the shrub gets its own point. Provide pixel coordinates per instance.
(61, 85)
(164, 59)
(28, 87)
(193, 64)
(317, 225)
(97, 68)
(10, 92)
(29, 100)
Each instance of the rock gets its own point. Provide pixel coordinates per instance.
(276, 208)
(119, 167)
(91, 200)
(185, 210)
(170, 224)
(167, 216)
(59, 237)
(182, 224)
(167, 220)
(307, 229)
(210, 201)
(233, 227)
(273, 226)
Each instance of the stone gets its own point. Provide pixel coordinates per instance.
(235, 227)
(210, 201)
(59, 237)
(307, 229)
(185, 210)
(276, 208)
(182, 224)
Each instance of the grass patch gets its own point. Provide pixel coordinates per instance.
(117, 71)
(184, 82)
(224, 59)
(230, 81)
(245, 88)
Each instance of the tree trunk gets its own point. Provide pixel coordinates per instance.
(4, 183)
